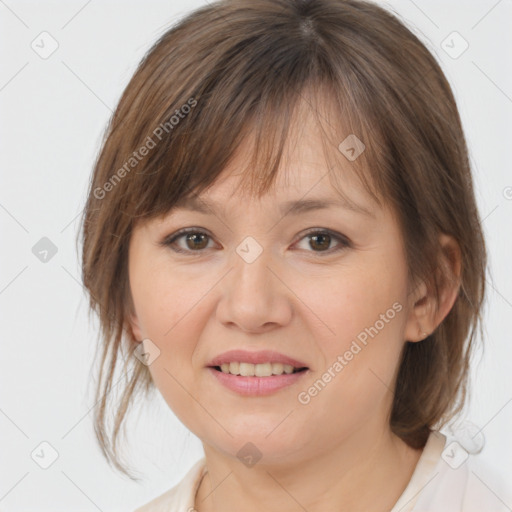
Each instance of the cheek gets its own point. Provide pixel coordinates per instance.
(173, 307)
(164, 298)
(170, 314)
(365, 310)
(358, 304)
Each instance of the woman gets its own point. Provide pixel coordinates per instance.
(281, 237)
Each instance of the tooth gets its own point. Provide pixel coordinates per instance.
(247, 370)
(288, 368)
(234, 368)
(258, 370)
(277, 368)
(263, 370)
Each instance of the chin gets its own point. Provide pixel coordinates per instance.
(262, 444)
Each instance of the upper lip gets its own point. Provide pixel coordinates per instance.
(262, 356)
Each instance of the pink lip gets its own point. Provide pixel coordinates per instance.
(263, 356)
(256, 386)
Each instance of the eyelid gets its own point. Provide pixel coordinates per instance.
(344, 242)
(170, 240)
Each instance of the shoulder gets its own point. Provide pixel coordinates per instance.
(462, 482)
(181, 496)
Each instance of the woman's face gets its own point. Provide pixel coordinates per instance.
(256, 277)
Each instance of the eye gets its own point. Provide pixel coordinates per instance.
(194, 240)
(321, 240)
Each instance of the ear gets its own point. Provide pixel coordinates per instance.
(134, 323)
(425, 314)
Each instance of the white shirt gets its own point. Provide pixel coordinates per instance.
(446, 479)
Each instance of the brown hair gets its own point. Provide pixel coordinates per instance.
(235, 70)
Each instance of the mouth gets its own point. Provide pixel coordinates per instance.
(255, 380)
(269, 369)
(258, 373)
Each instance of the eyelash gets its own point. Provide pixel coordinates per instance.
(170, 241)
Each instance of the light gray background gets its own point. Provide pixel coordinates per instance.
(53, 114)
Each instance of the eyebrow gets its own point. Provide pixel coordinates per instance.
(293, 207)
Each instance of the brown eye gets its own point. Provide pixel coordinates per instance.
(321, 241)
(194, 241)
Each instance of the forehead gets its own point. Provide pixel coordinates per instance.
(313, 173)
(318, 194)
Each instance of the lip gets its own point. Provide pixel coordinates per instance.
(256, 386)
(262, 356)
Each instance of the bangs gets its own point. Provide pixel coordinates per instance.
(272, 134)
(230, 115)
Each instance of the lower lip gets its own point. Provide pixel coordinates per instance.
(256, 386)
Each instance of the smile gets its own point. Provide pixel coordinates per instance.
(257, 373)
(257, 370)
(252, 385)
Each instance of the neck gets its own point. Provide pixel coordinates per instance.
(355, 475)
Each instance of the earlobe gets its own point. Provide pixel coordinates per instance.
(135, 327)
(132, 320)
(420, 317)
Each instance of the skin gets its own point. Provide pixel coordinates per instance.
(336, 452)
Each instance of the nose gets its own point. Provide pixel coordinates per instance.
(255, 297)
